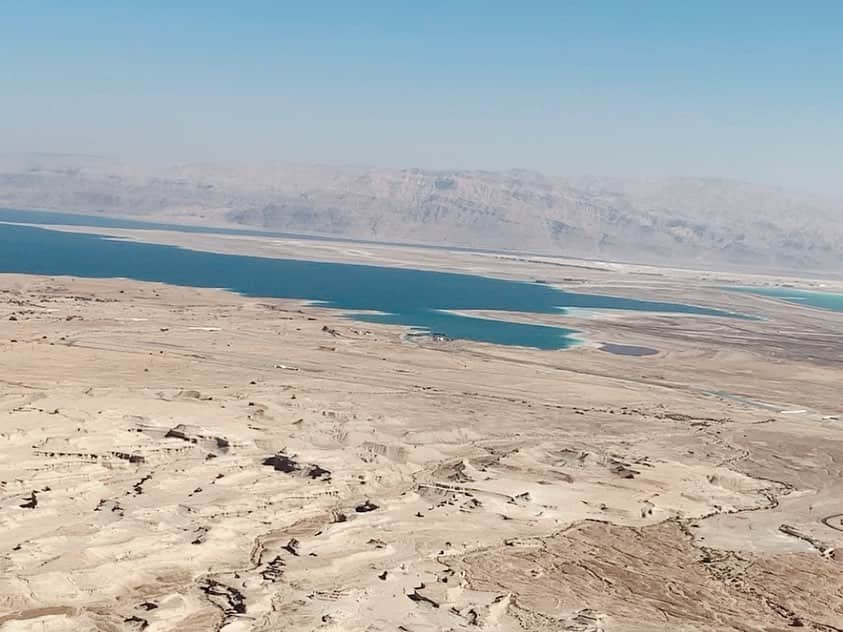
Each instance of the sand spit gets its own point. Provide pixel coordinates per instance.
(163, 468)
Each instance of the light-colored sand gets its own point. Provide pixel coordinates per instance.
(180, 459)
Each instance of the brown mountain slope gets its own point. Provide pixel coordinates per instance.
(660, 220)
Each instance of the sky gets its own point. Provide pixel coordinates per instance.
(742, 89)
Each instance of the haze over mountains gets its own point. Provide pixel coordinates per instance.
(683, 221)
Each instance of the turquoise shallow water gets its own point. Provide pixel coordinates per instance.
(413, 298)
(822, 300)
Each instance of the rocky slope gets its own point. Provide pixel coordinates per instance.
(680, 220)
(161, 470)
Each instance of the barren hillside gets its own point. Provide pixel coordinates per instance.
(678, 220)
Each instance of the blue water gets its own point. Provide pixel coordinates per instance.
(822, 300)
(18, 216)
(413, 298)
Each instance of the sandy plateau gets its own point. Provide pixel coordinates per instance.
(183, 459)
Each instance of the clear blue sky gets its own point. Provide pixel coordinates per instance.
(744, 89)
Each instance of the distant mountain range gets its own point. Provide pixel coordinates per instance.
(683, 221)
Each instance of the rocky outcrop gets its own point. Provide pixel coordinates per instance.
(198, 436)
(283, 463)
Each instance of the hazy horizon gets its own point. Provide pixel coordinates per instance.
(746, 92)
(243, 166)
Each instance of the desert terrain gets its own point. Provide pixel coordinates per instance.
(185, 459)
(710, 222)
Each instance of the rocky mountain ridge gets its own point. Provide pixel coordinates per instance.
(702, 221)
